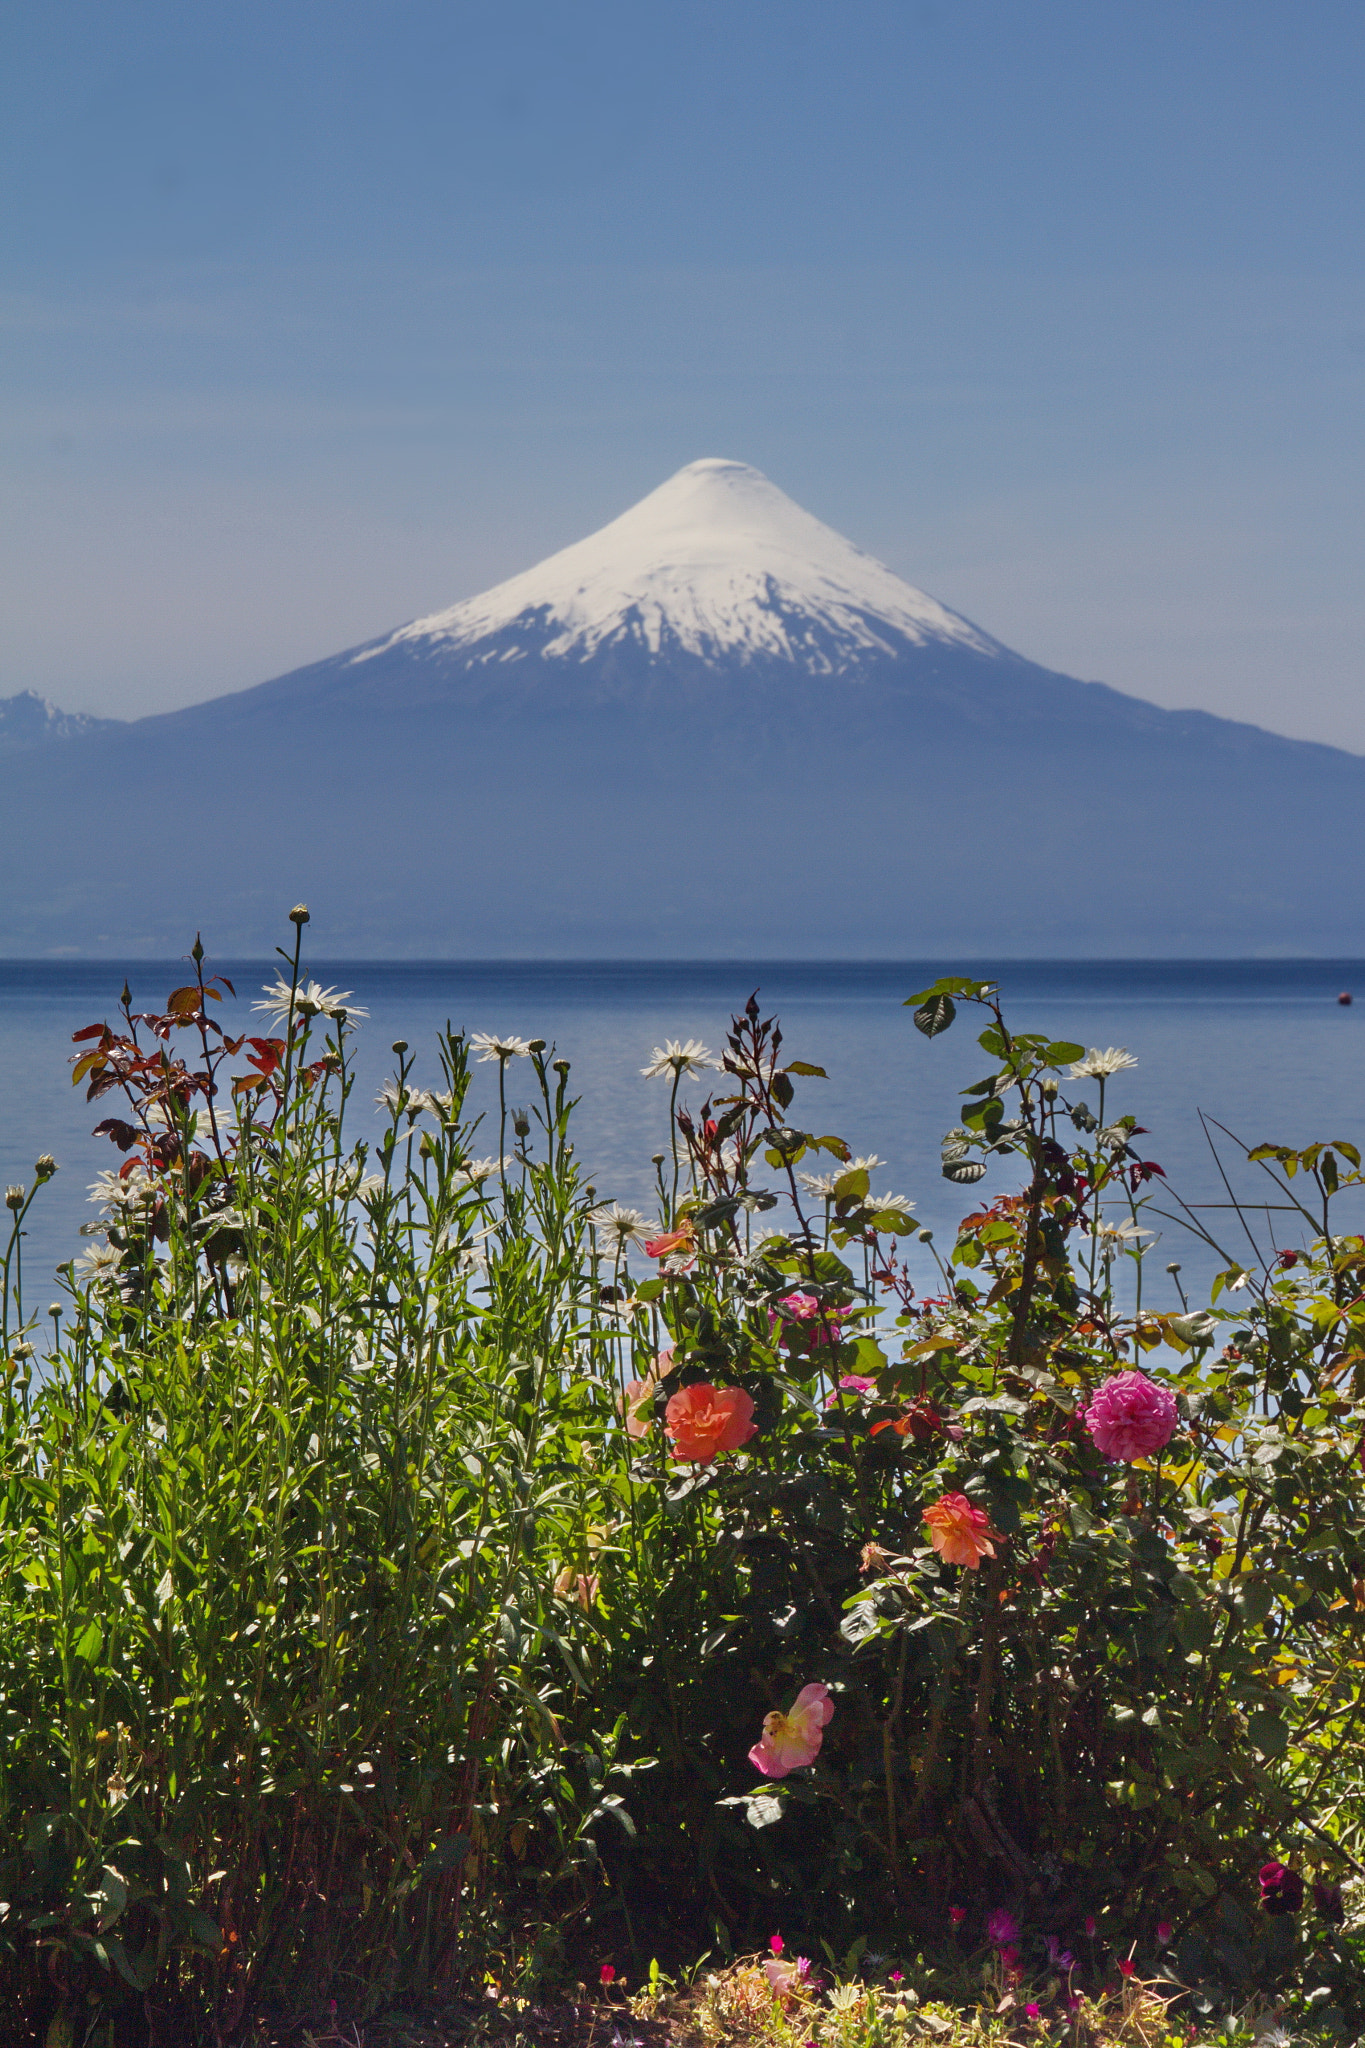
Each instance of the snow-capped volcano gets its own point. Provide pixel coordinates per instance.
(717, 563)
(714, 727)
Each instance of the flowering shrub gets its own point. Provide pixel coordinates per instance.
(401, 1547)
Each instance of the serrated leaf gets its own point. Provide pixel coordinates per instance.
(935, 1015)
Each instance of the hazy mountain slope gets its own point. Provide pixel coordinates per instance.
(715, 727)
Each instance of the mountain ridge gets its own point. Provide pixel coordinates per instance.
(713, 726)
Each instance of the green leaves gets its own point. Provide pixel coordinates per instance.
(935, 1016)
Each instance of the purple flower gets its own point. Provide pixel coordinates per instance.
(1327, 1898)
(1059, 1957)
(1002, 1928)
(1281, 1889)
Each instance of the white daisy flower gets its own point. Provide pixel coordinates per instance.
(490, 1047)
(821, 1184)
(111, 1191)
(1100, 1066)
(677, 1059)
(1118, 1237)
(474, 1171)
(620, 1227)
(863, 1165)
(309, 999)
(99, 1266)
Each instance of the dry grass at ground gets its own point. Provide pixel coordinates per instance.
(737, 2008)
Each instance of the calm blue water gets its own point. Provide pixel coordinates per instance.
(1263, 1046)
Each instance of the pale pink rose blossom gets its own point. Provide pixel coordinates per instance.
(788, 1977)
(1130, 1416)
(790, 1741)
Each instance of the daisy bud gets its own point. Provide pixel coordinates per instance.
(299, 914)
(14, 1198)
(45, 1167)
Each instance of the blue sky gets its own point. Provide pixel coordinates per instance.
(314, 317)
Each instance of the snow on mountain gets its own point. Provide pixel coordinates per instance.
(717, 563)
(28, 720)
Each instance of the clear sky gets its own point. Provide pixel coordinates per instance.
(318, 315)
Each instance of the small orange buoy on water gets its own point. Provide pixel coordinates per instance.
(1345, 998)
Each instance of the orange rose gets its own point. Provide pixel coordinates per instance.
(702, 1420)
(960, 1533)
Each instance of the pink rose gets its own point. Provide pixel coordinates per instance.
(789, 1979)
(792, 1740)
(851, 1383)
(1130, 1417)
(797, 1309)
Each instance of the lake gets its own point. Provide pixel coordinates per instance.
(1262, 1046)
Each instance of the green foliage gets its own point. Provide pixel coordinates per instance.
(364, 1628)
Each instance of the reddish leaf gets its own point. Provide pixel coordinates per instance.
(90, 1031)
(84, 1065)
(182, 1000)
(124, 1135)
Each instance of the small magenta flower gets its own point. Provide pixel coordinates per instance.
(1002, 1928)
(607, 1973)
(898, 1976)
(1281, 1889)
(957, 1914)
(1127, 1966)
(1164, 1931)
(1130, 1416)
(1034, 2012)
(1090, 1925)
(776, 1944)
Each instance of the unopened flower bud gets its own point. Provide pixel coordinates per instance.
(14, 1198)
(1049, 1088)
(400, 1046)
(561, 1066)
(45, 1166)
(54, 1309)
(299, 914)
(537, 1045)
(23, 1351)
(521, 1123)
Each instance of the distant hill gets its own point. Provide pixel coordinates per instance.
(28, 720)
(713, 728)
